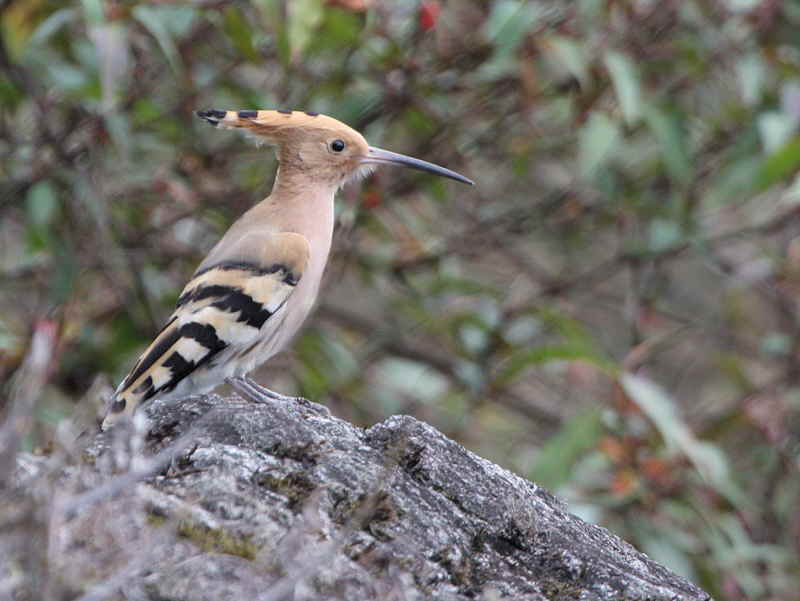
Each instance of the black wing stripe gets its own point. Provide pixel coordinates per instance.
(250, 312)
(157, 351)
(144, 387)
(205, 334)
(136, 368)
(179, 367)
(231, 300)
(254, 268)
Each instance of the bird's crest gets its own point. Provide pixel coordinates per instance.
(273, 123)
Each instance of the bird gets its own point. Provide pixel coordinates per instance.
(251, 294)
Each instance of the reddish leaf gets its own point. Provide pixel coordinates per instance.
(429, 14)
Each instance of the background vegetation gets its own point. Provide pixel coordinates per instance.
(612, 311)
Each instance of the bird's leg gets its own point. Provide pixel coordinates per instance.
(243, 387)
(270, 393)
(255, 391)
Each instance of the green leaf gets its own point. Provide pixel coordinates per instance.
(93, 9)
(572, 57)
(625, 78)
(405, 379)
(523, 359)
(8, 339)
(752, 74)
(664, 234)
(420, 123)
(41, 204)
(343, 29)
(64, 274)
(599, 138)
(569, 328)
(508, 23)
(734, 181)
(271, 21)
(522, 329)
(326, 363)
(473, 329)
(781, 164)
(113, 53)
(165, 23)
(313, 376)
(659, 407)
(669, 129)
(776, 344)
(118, 126)
(304, 18)
(52, 25)
(238, 30)
(775, 129)
(66, 77)
(556, 460)
(665, 551)
(10, 95)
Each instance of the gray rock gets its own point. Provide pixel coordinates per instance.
(279, 500)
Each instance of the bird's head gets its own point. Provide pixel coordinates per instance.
(322, 147)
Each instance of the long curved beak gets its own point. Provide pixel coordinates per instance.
(387, 157)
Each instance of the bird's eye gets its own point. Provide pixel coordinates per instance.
(337, 145)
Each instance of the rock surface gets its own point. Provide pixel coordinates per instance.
(280, 500)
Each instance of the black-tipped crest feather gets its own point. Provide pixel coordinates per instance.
(213, 116)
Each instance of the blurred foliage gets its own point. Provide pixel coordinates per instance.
(636, 221)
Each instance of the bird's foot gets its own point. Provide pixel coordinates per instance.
(252, 390)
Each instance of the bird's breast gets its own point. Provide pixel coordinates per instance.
(302, 301)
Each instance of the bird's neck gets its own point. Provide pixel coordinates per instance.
(293, 181)
(300, 204)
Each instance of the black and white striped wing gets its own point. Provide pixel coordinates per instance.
(223, 307)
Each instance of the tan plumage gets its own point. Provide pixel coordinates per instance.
(257, 285)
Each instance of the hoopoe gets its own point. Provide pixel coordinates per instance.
(258, 284)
